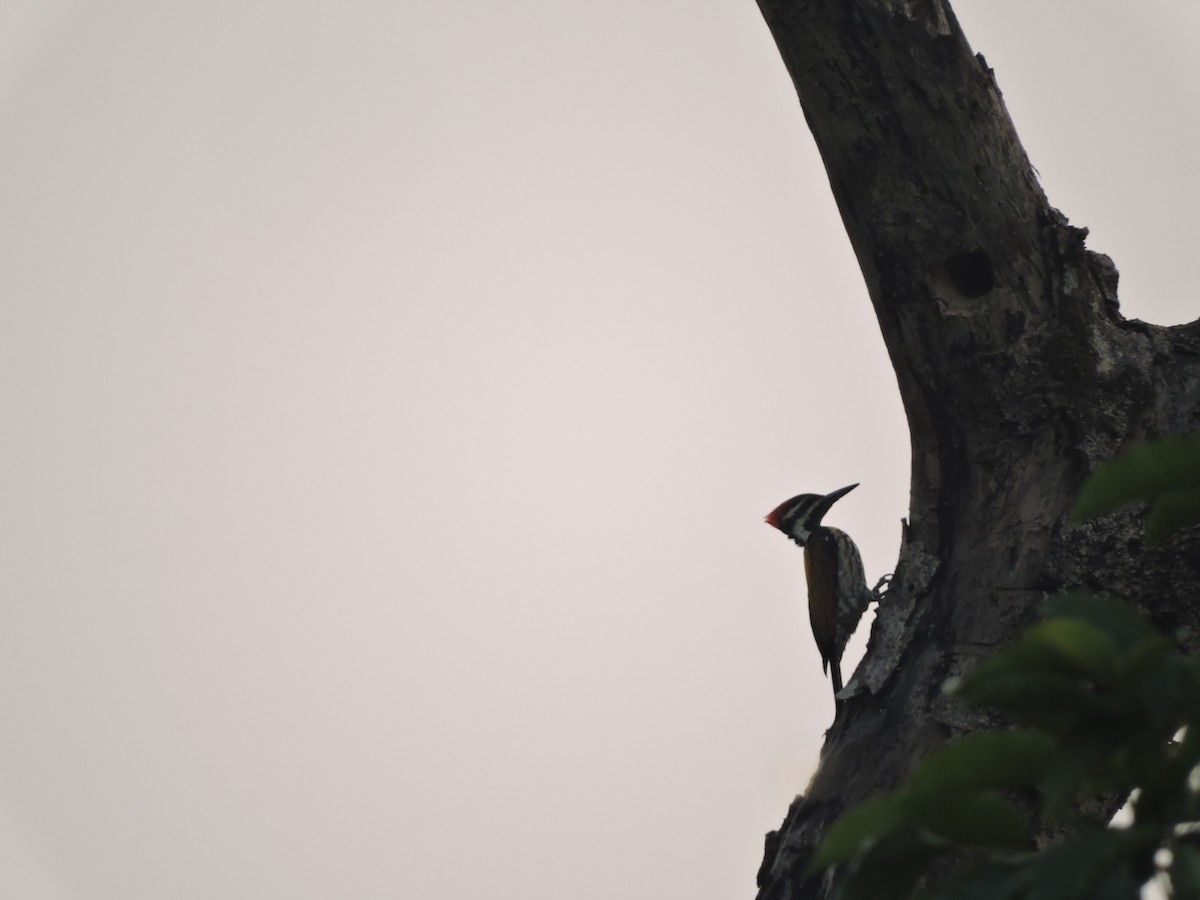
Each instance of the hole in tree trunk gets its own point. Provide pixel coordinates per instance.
(971, 273)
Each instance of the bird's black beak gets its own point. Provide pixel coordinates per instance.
(833, 496)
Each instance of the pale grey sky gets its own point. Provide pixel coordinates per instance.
(393, 393)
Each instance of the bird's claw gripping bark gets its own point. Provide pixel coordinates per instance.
(881, 587)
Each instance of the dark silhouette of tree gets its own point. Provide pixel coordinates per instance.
(1018, 375)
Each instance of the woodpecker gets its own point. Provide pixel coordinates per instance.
(837, 588)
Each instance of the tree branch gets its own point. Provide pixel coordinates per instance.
(1017, 372)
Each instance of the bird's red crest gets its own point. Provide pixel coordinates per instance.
(775, 516)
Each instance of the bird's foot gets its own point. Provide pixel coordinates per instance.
(881, 587)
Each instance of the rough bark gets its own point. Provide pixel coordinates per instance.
(1017, 372)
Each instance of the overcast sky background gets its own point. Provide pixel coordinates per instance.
(392, 394)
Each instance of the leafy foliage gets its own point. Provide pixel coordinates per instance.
(1165, 474)
(1102, 706)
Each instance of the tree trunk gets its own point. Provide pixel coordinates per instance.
(1018, 376)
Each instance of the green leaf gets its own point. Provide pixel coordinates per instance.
(1185, 871)
(1168, 692)
(1079, 767)
(856, 829)
(1008, 878)
(1119, 885)
(1143, 659)
(1172, 511)
(891, 866)
(1143, 473)
(1193, 664)
(1055, 703)
(1079, 643)
(985, 759)
(1024, 658)
(1082, 864)
(978, 819)
(1118, 619)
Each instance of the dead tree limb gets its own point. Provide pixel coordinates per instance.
(1017, 373)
